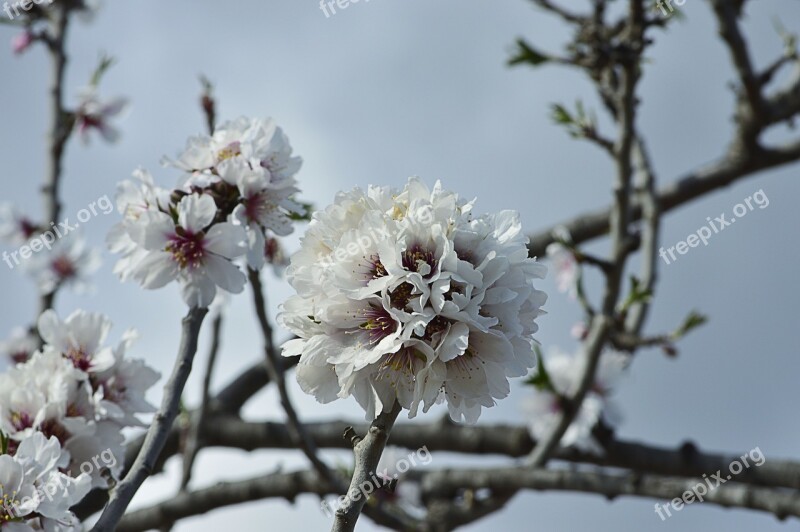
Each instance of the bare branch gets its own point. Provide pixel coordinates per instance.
(187, 504)
(159, 430)
(503, 481)
(508, 440)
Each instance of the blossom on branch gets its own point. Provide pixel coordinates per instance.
(70, 261)
(15, 227)
(558, 380)
(34, 493)
(404, 295)
(19, 347)
(95, 113)
(77, 390)
(237, 191)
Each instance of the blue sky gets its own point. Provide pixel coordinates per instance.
(391, 88)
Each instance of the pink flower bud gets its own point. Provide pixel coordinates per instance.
(21, 41)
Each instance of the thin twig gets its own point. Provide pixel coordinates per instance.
(601, 324)
(650, 237)
(273, 365)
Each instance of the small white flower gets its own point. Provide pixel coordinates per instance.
(35, 494)
(94, 113)
(79, 339)
(566, 268)
(240, 140)
(121, 388)
(192, 250)
(544, 407)
(69, 262)
(20, 346)
(265, 206)
(133, 199)
(15, 227)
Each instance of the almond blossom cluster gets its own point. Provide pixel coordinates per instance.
(65, 405)
(404, 295)
(235, 192)
(557, 379)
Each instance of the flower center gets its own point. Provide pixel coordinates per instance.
(187, 249)
(378, 325)
(27, 227)
(228, 152)
(401, 295)
(436, 325)
(63, 267)
(376, 267)
(406, 362)
(8, 505)
(20, 357)
(21, 421)
(256, 207)
(79, 359)
(52, 428)
(415, 256)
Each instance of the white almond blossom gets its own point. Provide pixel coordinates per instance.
(403, 295)
(69, 262)
(34, 493)
(265, 206)
(566, 268)
(242, 140)
(235, 198)
(544, 407)
(15, 227)
(79, 339)
(20, 346)
(191, 249)
(120, 389)
(133, 199)
(95, 113)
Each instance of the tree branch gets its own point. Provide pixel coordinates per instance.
(448, 483)
(59, 126)
(367, 453)
(159, 431)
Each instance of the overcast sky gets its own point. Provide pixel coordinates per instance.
(392, 88)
